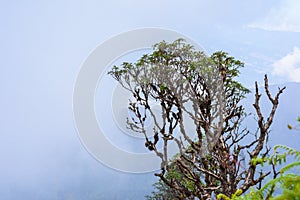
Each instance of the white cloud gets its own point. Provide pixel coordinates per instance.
(286, 17)
(288, 67)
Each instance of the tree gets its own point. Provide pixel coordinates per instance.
(197, 94)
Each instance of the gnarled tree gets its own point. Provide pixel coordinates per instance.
(200, 113)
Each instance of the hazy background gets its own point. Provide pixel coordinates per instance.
(43, 44)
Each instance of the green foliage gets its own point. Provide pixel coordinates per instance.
(288, 183)
(171, 58)
(222, 196)
(232, 70)
(233, 196)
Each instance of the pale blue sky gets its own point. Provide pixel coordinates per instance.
(44, 43)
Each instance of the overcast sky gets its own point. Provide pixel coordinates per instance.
(44, 43)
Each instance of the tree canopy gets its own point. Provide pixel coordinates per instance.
(200, 112)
